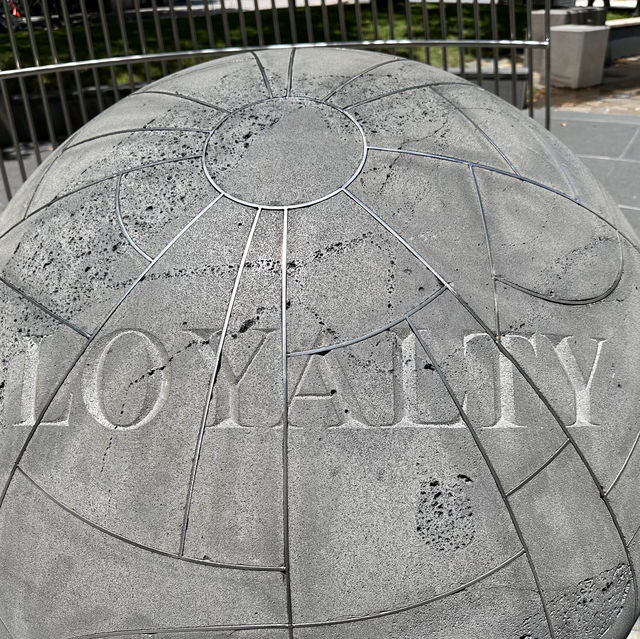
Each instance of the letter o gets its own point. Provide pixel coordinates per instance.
(93, 376)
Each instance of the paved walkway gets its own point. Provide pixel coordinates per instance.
(610, 146)
(619, 92)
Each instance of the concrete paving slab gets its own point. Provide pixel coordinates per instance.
(633, 216)
(619, 177)
(632, 150)
(589, 137)
(610, 146)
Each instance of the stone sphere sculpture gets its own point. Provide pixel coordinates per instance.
(317, 344)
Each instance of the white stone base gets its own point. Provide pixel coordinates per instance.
(577, 55)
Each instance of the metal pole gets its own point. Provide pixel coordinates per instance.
(547, 65)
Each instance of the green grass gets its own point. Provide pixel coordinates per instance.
(618, 15)
(309, 25)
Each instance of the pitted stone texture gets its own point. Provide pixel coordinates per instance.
(244, 163)
(317, 344)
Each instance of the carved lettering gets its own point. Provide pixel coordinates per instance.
(385, 383)
(580, 382)
(25, 394)
(93, 383)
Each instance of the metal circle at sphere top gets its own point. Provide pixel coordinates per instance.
(284, 153)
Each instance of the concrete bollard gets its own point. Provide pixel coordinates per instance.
(577, 55)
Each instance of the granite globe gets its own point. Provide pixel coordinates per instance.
(317, 344)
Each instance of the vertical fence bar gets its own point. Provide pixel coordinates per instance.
(292, 21)
(426, 30)
(512, 35)
(358, 13)
(192, 26)
(107, 43)
(374, 18)
(188, 16)
(529, 60)
(158, 29)
(494, 36)
(309, 21)
(409, 25)
(142, 37)
(259, 28)
(392, 22)
(225, 22)
(43, 94)
(72, 55)
(174, 30)
(460, 23)
(5, 178)
(54, 54)
(92, 54)
(243, 26)
(476, 19)
(547, 64)
(207, 18)
(125, 41)
(13, 132)
(443, 32)
(342, 21)
(23, 87)
(276, 23)
(326, 31)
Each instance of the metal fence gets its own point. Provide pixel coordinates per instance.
(64, 61)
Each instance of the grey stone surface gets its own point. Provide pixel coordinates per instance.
(578, 53)
(317, 344)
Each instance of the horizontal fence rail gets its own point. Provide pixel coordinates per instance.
(64, 61)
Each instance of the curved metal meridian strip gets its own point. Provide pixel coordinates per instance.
(149, 129)
(184, 630)
(311, 624)
(44, 309)
(290, 72)
(624, 465)
(263, 73)
(419, 604)
(521, 178)
(212, 383)
(538, 470)
(323, 350)
(492, 471)
(403, 90)
(123, 228)
(135, 544)
(478, 128)
(3, 625)
(87, 185)
(492, 270)
(285, 410)
(186, 97)
(572, 302)
(359, 75)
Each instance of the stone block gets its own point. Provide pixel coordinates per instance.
(556, 17)
(577, 55)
